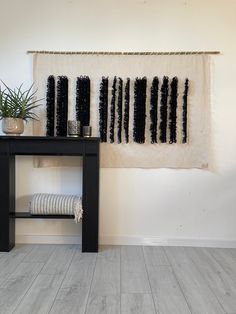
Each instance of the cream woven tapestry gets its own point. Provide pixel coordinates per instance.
(192, 154)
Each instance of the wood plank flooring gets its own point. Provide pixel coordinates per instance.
(121, 280)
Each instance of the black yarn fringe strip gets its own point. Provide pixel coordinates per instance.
(163, 109)
(140, 86)
(62, 106)
(50, 106)
(83, 101)
(113, 110)
(119, 110)
(103, 108)
(185, 111)
(173, 109)
(126, 110)
(153, 109)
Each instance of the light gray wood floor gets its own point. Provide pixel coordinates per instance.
(128, 279)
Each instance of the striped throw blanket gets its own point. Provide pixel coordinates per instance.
(54, 204)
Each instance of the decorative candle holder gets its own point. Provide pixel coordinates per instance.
(73, 128)
(87, 131)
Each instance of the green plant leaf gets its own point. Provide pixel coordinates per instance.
(17, 103)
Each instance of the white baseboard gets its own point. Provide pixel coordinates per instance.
(161, 241)
(129, 240)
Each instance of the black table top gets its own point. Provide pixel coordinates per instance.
(48, 138)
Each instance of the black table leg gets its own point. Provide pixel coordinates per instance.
(90, 203)
(29, 145)
(7, 199)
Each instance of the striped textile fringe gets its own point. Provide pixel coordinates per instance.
(154, 109)
(54, 204)
(173, 109)
(103, 109)
(113, 111)
(185, 112)
(50, 105)
(163, 108)
(119, 110)
(62, 106)
(126, 110)
(140, 86)
(83, 101)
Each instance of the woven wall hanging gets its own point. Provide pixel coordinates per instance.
(149, 110)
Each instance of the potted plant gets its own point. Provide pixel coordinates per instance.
(17, 106)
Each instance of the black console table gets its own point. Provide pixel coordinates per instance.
(88, 148)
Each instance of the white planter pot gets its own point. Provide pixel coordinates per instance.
(12, 126)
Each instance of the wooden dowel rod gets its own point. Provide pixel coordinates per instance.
(123, 53)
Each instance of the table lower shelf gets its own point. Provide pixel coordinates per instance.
(26, 215)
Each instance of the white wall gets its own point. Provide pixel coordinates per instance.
(136, 205)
